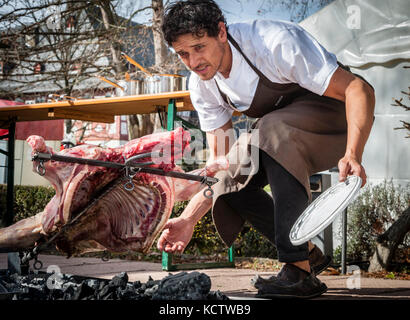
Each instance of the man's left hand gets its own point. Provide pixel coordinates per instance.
(349, 165)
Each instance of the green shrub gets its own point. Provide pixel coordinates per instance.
(251, 243)
(371, 214)
(28, 200)
(206, 241)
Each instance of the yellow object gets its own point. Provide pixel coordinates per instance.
(111, 83)
(97, 110)
(135, 63)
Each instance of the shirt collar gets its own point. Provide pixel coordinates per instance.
(235, 63)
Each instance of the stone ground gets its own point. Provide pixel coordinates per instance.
(233, 282)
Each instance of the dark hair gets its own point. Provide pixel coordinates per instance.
(190, 16)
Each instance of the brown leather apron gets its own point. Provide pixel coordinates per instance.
(304, 132)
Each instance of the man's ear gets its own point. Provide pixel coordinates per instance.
(223, 34)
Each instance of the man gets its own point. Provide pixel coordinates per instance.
(312, 114)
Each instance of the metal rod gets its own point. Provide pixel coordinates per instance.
(344, 241)
(139, 167)
(98, 163)
(141, 156)
(56, 157)
(179, 175)
(8, 217)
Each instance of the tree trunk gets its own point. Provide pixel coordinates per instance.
(388, 242)
(141, 125)
(161, 51)
(115, 47)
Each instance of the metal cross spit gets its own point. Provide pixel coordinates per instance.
(131, 167)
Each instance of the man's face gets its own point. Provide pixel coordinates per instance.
(204, 55)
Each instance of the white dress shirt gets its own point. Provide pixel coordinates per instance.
(282, 51)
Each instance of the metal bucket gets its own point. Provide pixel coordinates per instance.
(135, 87)
(151, 85)
(159, 84)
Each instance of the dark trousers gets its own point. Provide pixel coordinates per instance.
(273, 217)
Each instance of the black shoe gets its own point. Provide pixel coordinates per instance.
(318, 261)
(291, 282)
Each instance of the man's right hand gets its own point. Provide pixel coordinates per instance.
(176, 235)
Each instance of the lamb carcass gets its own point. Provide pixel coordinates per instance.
(119, 220)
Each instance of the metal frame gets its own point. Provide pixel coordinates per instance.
(167, 264)
(9, 214)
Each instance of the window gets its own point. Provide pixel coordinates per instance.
(6, 67)
(39, 68)
(71, 22)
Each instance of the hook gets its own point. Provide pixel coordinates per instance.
(105, 256)
(208, 193)
(129, 186)
(41, 169)
(37, 265)
(129, 174)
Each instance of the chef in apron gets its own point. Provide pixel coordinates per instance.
(312, 114)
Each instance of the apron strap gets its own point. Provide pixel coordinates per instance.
(258, 72)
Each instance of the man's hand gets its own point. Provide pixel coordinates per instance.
(360, 101)
(349, 165)
(176, 235)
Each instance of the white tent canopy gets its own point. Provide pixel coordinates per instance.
(373, 38)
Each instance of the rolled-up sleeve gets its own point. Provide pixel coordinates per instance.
(211, 113)
(299, 58)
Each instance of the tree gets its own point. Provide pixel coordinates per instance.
(63, 46)
(399, 103)
(301, 9)
(161, 50)
(140, 125)
(52, 46)
(387, 243)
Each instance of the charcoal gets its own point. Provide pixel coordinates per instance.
(106, 290)
(68, 292)
(67, 287)
(109, 296)
(82, 291)
(216, 295)
(152, 290)
(101, 286)
(93, 283)
(183, 286)
(9, 286)
(120, 280)
(129, 293)
(136, 284)
(151, 282)
(15, 278)
(35, 292)
(56, 294)
(3, 289)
